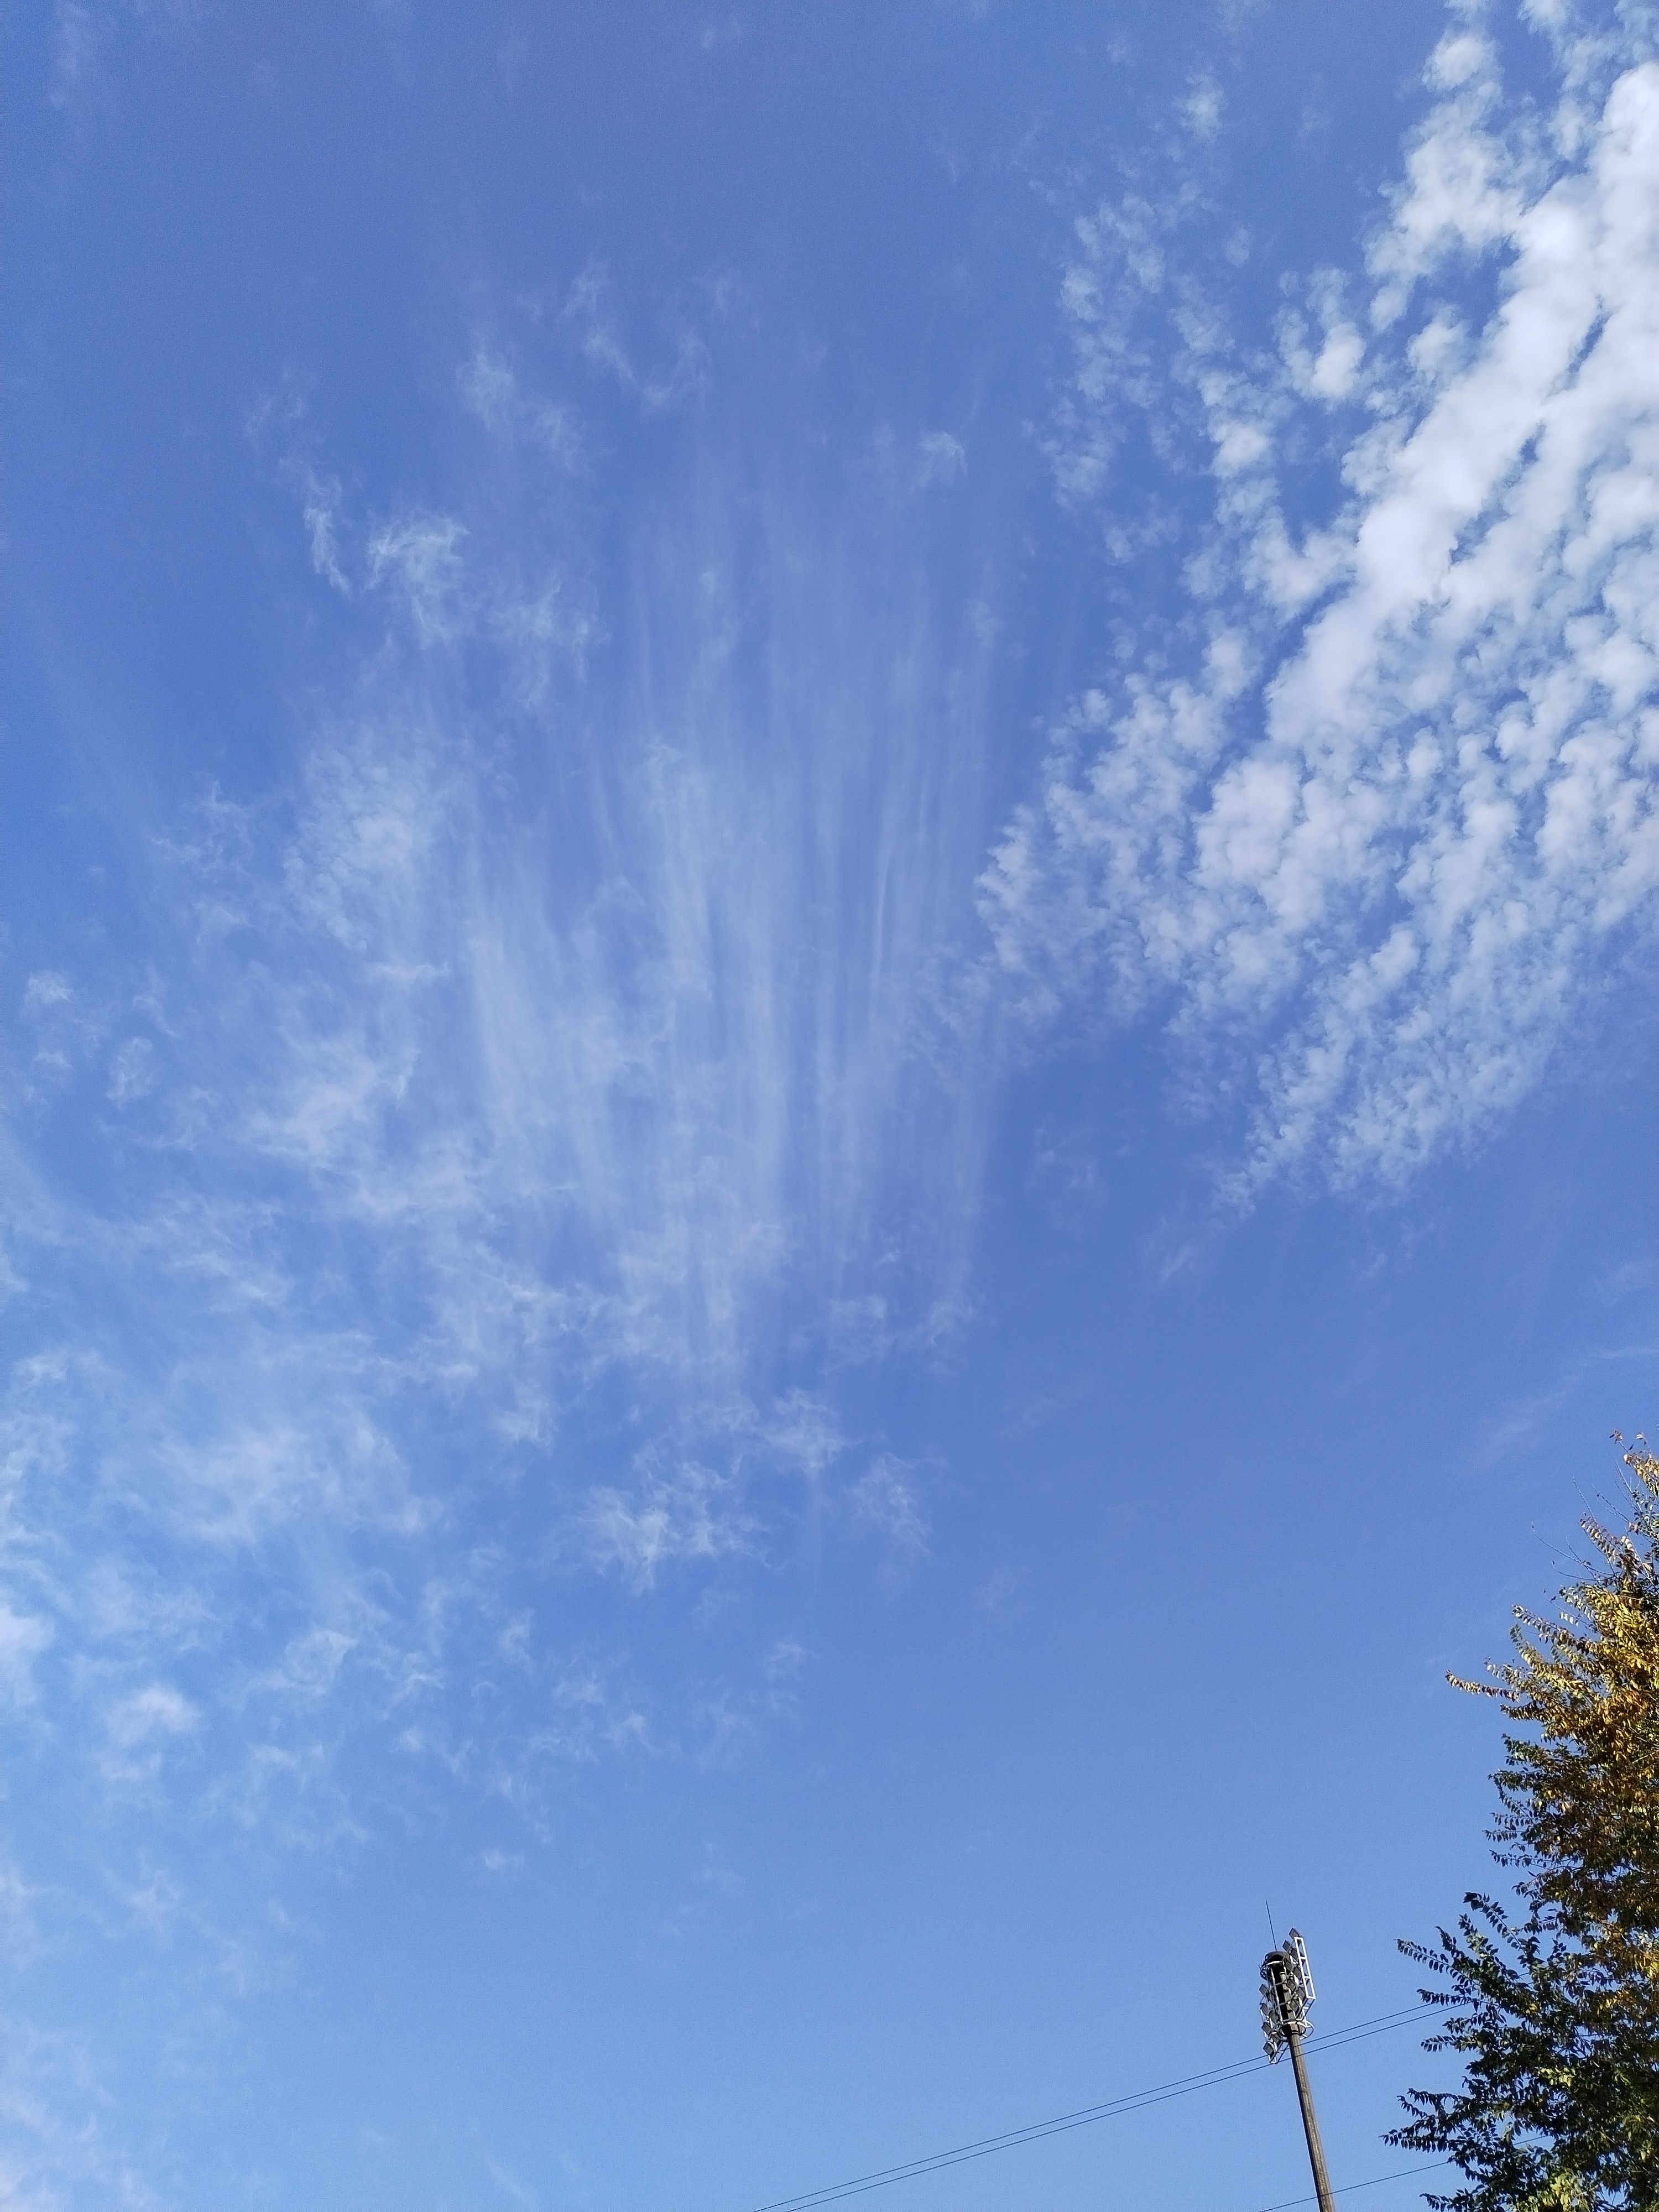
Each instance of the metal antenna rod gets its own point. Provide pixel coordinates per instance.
(1287, 1990)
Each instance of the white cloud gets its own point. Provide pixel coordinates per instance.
(804, 1433)
(509, 2185)
(159, 1710)
(683, 365)
(886, 1500)
(142, 1729)
(1203, 108)
(43, 990)
(1385, 835)
(132, 1073)
(309, 1666)
(321, 505)
(81, 32)
(491, 391)
(691, 1513)
(942, 458)
(23, 1637)
(421, 555)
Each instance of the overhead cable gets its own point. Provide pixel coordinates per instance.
(1289, 2203)
(1086, 2116)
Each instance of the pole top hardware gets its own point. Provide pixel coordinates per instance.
(1287, 1992)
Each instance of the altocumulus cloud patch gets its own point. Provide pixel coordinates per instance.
(1377, 829)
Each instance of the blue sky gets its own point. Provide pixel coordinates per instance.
(829, 878)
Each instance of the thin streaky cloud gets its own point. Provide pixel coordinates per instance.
(455, 1100)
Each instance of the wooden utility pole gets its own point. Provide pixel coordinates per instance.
(1287, 1991)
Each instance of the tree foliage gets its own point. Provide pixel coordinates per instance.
(1555, 2005)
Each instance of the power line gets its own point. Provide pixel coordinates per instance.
(1429, 2165)
(1086, 2116)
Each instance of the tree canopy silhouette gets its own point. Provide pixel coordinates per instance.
(1555, 2003)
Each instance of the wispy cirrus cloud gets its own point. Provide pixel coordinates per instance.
(493, 1128)
(1378, 831)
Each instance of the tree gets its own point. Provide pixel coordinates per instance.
(1556, 2007)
